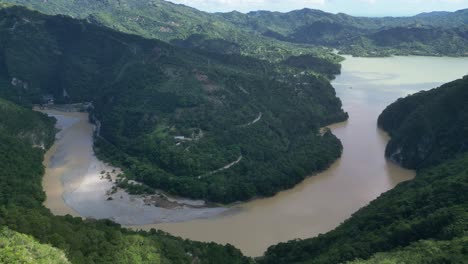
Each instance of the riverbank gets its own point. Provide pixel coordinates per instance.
(79, 184)
(320, 203)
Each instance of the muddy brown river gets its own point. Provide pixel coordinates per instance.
(320, 203)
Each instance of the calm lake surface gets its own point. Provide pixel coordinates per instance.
(319, 204)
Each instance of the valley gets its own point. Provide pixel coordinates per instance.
(79, 184)
(139, 131)
(366, 86)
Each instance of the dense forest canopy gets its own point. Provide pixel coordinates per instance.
(273, 35)
(170, 117)
(19, 248)
(427, 214)
(83, 241)
(177, 24)
(178, 99)
(428, 127)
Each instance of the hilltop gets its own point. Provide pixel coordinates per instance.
(273, 35)
(171, 117)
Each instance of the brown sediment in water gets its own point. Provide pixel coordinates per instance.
(77, 183)
(52, 180)
(320, 203)
(52, 185)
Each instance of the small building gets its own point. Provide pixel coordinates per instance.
(48, 99)
(182, 138)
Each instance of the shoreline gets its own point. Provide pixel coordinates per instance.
(79, 184)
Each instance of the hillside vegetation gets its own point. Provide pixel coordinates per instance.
(428, 127)
(273, 35)
(177, 24)
(172, 118)
(424, 251)
(204, 121)
(19, 248)
(83, 241)
(433, 34)
(427, 214)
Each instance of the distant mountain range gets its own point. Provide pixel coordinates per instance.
(181, 95)
(172, 116)
(257, 33)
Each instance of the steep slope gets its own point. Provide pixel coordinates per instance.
(287, 23)
(433, 206)
(452, 251)
(428, 127)
(173, 23)
(271, 35)
(173, 118)
(19, 248)
(411, 40)
(20, 129)
(83, 241)
(426, 34)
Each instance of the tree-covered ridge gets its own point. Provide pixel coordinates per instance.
(273, 35)
(19, 248)
(287, 23)
(422, 252)
(434, 34)
(178, 24)
(430, 211)
(83, 241)
(28, 125)
(428, 127)
(432, 206)
(172, 118)
(20, 130)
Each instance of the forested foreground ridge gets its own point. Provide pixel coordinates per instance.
(424, 220)
(428, 127)
(190, 114)
(82, 241)
(421, 220)
(273, 35)
(218, 127)
(19, 248)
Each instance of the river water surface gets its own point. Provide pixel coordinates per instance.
(320, 203)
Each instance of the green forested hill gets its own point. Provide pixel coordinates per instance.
(271, 35)
(286, 23)
(429, 213)
(27, 125)
(428, 127)
(422, 252)
(83, 241)
(425, 34)
(19, 248)
(171, 117)
(173, 23)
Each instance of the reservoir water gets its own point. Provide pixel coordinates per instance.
(320, 203)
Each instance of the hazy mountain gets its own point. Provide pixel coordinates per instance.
(257, 33)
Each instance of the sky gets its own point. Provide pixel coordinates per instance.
(352, 7)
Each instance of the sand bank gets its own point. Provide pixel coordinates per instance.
(75, 184)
